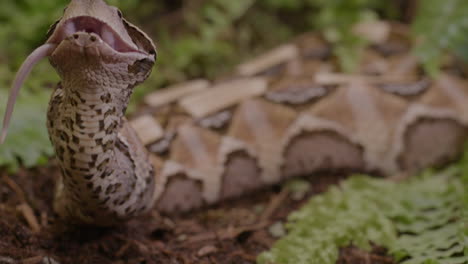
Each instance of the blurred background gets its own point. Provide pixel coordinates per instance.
(207, 38)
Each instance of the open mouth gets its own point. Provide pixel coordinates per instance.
(92, 25)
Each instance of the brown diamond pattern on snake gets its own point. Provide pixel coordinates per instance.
(432, 142)
(407, 89)
(262, 125)
(181, 194)
(368, 115)
(449, 92)
(412, 84)
(242, 175)
(147, 128)
(162, 146)
(433, 130)
(296, 91)
(172, 121)
(197, 149)
(216, 121)
(311, 152)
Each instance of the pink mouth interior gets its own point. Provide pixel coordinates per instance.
(92, 25)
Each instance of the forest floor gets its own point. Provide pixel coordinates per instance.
(231, 232)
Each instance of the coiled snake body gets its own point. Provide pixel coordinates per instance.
(285, 114)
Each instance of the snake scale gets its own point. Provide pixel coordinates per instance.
(284, 114)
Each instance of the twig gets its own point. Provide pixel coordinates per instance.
(123, 249)
(15, 187)
(227, 233)
(275, 202)
(30, 217)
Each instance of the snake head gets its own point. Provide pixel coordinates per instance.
(91, 37)
(95, 16)
(95, 34)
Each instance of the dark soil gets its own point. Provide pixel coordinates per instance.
(232, 232)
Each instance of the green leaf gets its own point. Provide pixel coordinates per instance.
(440, 26)
(27, 142)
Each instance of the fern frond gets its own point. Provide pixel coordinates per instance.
(429, 211)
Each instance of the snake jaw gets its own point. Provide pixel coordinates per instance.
(95, 16)
(99, 29)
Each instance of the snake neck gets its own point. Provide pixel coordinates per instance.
(84, 130)
(102, 173)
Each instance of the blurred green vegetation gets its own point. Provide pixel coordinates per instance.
(441, 26)
(206, 38)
